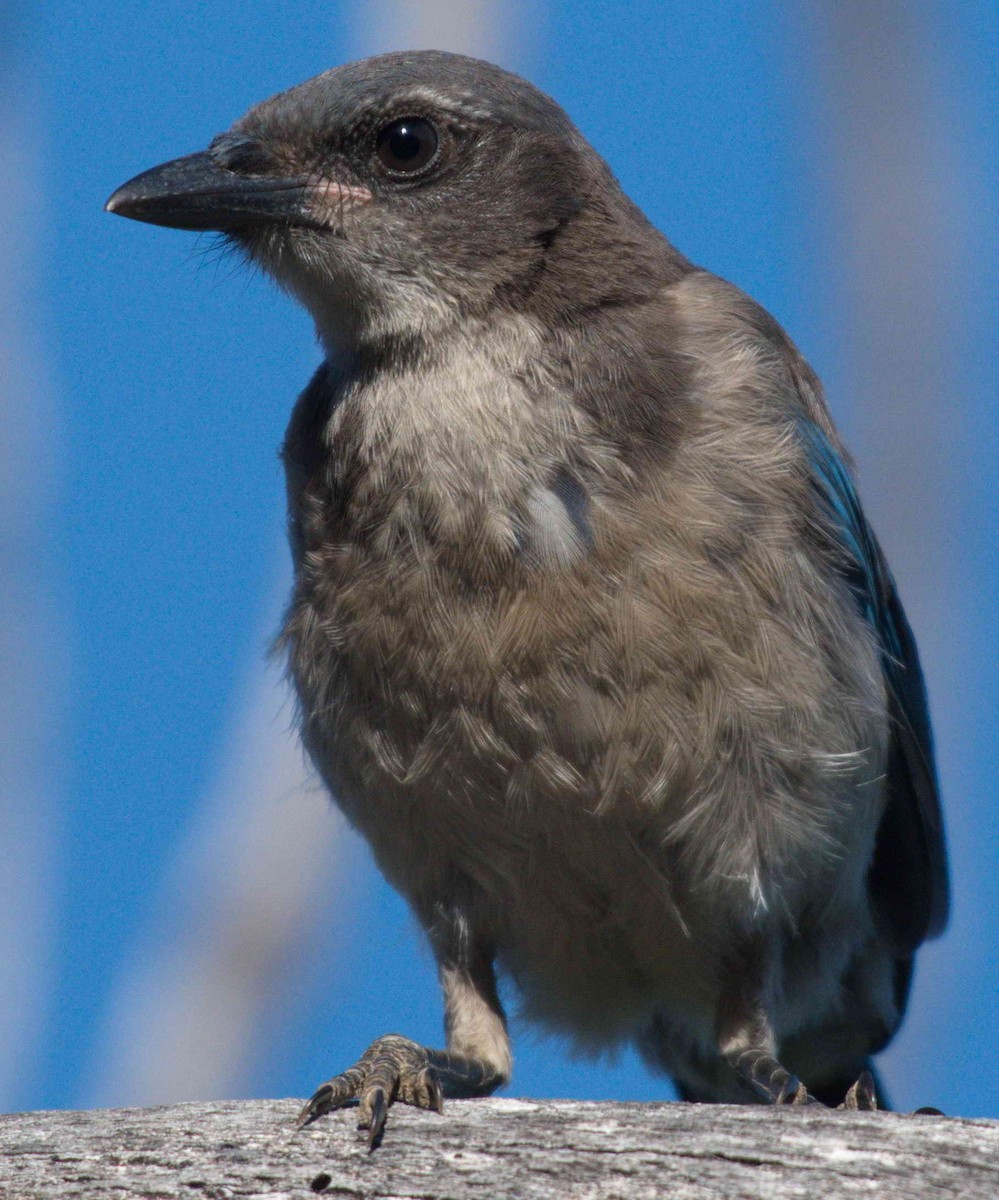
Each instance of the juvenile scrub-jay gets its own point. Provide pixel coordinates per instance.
(591, 638)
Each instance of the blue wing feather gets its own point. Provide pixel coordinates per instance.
(908, 875)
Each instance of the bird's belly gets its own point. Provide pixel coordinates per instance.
(618, 807)
(586, 909)
(594, 931)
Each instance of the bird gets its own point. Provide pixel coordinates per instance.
(590, 636)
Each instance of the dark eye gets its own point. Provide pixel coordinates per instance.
(407, 146)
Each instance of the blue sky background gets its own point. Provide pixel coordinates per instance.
(159, 381)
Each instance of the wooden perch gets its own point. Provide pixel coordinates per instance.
(528, 1149)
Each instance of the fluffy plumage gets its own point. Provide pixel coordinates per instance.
(591, 639)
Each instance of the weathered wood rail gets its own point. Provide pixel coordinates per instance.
(528, 1149)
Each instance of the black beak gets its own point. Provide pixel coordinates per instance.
(196, 193)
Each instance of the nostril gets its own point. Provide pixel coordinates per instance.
(242, 154)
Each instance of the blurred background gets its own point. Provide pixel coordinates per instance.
(182, 913)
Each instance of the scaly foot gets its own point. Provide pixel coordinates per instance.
(392, 1068)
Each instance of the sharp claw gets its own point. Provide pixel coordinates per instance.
(862, 1096)
(784, 1087)
(425, 1094)
(867, 1091)
(333, 1094)
(316, 1106)
(436, 1096)
(376, 1124)
(372, 1102)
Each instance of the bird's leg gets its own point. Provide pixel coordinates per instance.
(745, 1031)
(393, 1068)
(747, 1043)
(478, 1059)
(748, 1046)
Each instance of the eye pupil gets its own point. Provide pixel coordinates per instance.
(408, 145)
(404, 144)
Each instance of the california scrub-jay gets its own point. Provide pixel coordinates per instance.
(591, 638)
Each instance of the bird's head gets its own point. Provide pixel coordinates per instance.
(400, 193)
